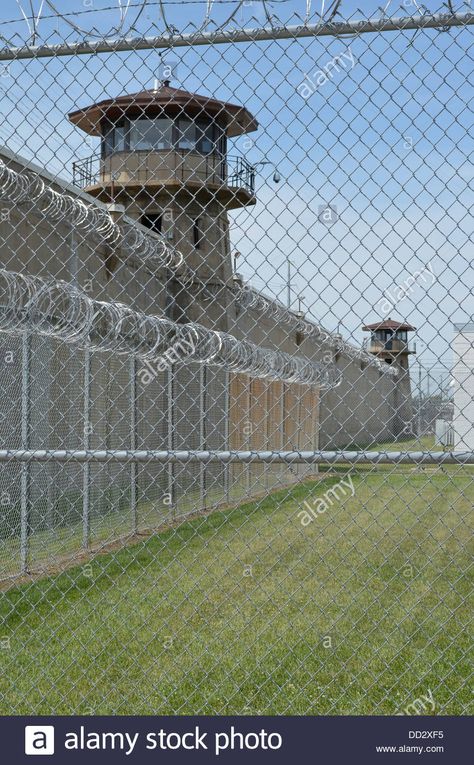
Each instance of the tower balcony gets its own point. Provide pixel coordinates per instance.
(230, 181)
(391, 347)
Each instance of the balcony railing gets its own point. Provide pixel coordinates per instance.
(86, 172)
(240, 173)
(236, 172)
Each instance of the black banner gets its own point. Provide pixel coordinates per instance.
(345, 740)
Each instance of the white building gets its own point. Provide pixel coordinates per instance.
(463, 377)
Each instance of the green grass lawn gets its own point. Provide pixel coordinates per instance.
(246, 611)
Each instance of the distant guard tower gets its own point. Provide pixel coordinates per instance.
(163, 156)
(389, 342)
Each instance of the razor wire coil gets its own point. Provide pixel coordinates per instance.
(61, 310)
(151, 249)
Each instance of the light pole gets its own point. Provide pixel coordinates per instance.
(236, 256)
(277, 179)
(288, 285)
(276, 174)
(420, 393)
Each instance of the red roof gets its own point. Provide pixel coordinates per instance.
(388, 324)
(164, 100)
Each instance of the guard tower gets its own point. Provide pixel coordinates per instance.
(389, 342)
(163, 156)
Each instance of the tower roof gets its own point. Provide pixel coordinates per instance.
(389, 324)
(164, 100)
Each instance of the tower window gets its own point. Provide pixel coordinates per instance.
(186, 134)
(204, 136)
(116, 138)
(150, 134)
(197, 234)
(207, 137)
(153, 221)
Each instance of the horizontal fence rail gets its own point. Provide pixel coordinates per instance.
(331, 29)
(307, 457)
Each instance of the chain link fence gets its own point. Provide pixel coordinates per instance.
(236, 359)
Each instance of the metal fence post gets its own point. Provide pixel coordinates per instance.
(202, 434)
(25, 443)
(86, 475)
(249, 426)
(226, 434)
(170, 430)
(283, 442)
(133, 441)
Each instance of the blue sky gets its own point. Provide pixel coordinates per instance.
(387, 141)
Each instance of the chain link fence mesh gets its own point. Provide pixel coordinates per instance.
(216, 496)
